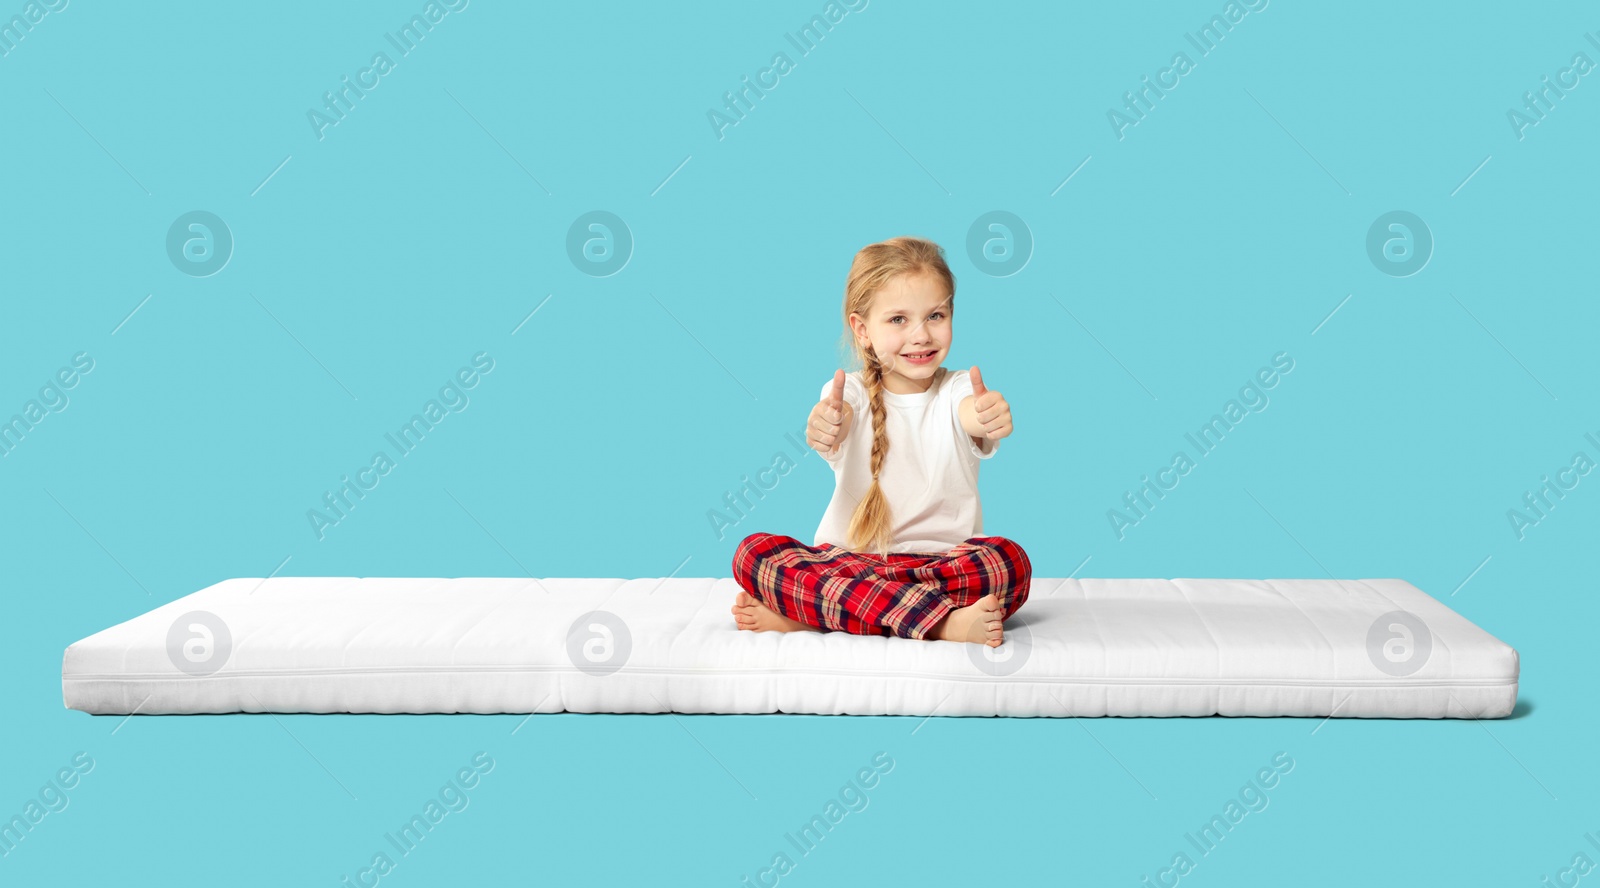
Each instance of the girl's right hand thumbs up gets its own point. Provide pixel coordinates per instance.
(830, 420)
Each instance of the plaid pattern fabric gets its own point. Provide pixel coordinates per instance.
(901, 594)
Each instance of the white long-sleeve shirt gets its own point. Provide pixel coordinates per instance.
(930, 474)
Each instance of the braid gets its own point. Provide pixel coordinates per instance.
(871, 524)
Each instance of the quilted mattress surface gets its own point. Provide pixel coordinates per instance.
(1078, 647)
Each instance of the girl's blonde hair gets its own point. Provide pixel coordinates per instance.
(874, 266)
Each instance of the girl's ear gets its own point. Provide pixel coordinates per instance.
(856, 324)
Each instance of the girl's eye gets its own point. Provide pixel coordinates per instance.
(937, 314)
(897, 318)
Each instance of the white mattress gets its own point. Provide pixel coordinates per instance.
(1079, 647)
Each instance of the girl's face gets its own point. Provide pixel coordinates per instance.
(909, 328)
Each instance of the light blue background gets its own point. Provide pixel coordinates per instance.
(1226, 227)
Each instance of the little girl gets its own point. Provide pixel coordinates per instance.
(900, 550)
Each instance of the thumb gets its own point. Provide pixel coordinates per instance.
(837, 395)
(978, 387)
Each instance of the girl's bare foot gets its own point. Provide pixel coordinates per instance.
(983, 622)
(750, 613)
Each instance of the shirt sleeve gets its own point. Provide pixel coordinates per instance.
(960, 390)
(855, 394)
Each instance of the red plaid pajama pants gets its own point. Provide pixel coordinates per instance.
(902, 594)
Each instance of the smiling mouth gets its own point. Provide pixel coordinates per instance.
(921, 354)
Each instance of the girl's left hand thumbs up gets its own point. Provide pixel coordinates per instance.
(994, 414)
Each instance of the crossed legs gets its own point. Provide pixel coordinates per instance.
(962, 595)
